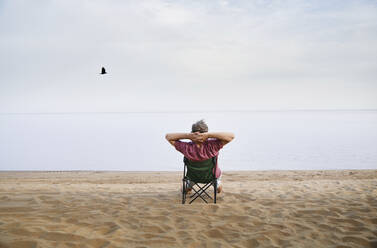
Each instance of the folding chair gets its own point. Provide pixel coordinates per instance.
(202, 172)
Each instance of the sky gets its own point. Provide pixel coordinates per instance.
(187, 55)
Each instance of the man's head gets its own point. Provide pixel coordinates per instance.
(199, 126)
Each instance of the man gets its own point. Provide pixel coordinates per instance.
(204, 145)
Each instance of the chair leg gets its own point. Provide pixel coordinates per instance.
(202, 190)
(198, 195)
(215, 191)
(183, 191)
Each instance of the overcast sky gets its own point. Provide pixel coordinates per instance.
(187, 55)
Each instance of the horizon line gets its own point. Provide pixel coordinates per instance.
(166, 171)
(183, 112)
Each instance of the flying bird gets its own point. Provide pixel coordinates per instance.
(103, 71)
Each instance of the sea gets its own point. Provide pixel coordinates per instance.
(135, 141)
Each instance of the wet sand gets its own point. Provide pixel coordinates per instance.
(143, 209)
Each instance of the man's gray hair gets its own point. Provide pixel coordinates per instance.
(199, 126)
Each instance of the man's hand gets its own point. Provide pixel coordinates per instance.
(195, 137)
(199, 137)
(225, 137)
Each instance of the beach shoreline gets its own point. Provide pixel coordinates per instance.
(326, 208)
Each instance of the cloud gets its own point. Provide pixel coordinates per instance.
(192, 52)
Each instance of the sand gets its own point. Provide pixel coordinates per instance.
(131, 209)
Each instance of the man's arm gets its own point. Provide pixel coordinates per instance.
(225, 137)
(173, 137)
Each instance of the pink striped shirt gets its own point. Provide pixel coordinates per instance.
(209, 148)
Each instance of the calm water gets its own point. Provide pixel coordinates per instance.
(135, 141)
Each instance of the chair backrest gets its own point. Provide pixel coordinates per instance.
(201, 171)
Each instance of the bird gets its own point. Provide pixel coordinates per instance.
(103, 71)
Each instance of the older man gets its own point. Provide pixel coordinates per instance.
(204, 145)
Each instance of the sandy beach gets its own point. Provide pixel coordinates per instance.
(139, 209)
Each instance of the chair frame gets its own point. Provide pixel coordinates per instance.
(202, 189)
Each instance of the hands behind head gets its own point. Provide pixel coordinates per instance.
(199, 137)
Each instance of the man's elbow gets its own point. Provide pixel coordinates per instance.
(228, 138)
(231, 137)
(169, 137)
